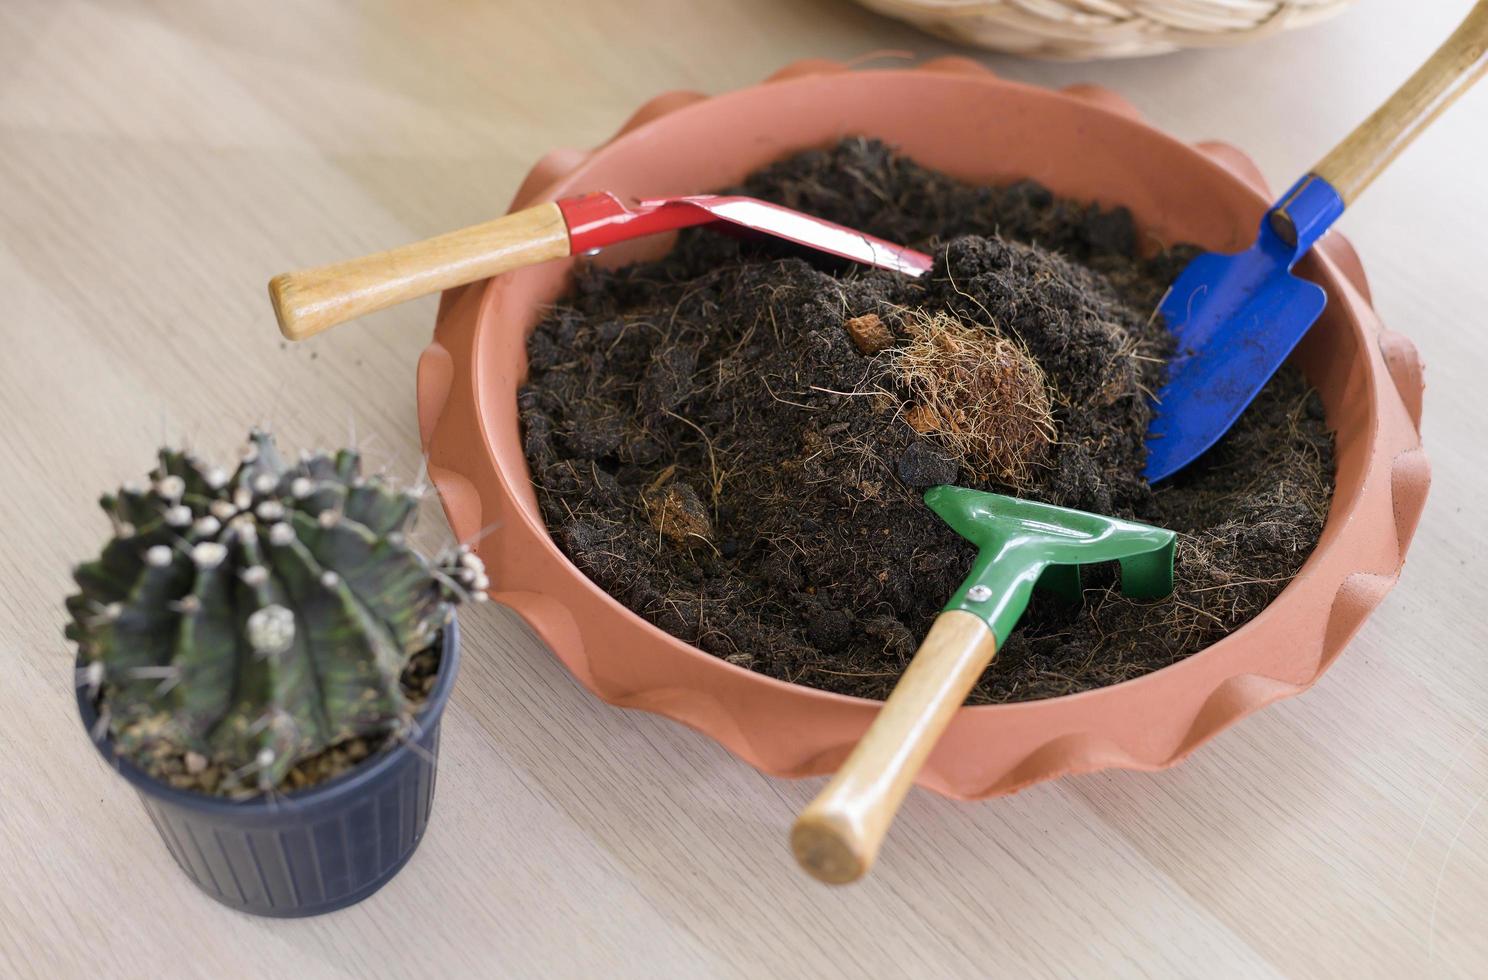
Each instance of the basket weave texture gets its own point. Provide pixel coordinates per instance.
(1081, 29)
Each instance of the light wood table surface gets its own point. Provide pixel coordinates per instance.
(160, 160)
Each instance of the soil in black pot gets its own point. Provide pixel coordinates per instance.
(734, 441)
(189, 770)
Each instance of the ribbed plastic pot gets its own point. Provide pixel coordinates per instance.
(312, 851)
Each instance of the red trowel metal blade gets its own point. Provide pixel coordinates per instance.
(600, 219)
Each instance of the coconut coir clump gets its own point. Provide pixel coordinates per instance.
(717, 448)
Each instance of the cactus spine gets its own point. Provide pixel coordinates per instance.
(252, 621)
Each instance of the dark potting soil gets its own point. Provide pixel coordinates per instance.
(713, 447)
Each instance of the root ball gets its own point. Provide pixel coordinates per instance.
(982, 396)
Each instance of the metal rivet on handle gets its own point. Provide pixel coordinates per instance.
(978, 593)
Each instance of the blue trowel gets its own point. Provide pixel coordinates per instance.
(1237, 317)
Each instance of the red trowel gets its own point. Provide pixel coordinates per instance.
(309, 301)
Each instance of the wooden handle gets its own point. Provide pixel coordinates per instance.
(309, 301)
(1450, 71)
(838, 835)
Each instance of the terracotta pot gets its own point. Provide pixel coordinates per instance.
(952, 115)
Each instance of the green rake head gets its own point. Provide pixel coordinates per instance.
(1021, 544)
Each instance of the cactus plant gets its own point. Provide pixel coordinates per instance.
(241, 624)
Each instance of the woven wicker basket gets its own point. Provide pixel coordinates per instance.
(1077, 29)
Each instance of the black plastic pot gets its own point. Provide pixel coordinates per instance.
(312, 851)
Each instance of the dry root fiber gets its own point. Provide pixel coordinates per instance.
(982, 395)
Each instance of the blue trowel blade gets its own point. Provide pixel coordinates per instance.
(1236, 319)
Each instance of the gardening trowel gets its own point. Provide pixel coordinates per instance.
(1237, 317)
(309, 301)
(1020, 544)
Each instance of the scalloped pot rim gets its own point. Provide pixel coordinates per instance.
(1370, 380)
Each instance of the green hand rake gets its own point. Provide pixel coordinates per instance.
(1021, 544)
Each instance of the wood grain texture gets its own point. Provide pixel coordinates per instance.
(1450, 71)
(308, 301)
(161, 160)
(840, 832)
